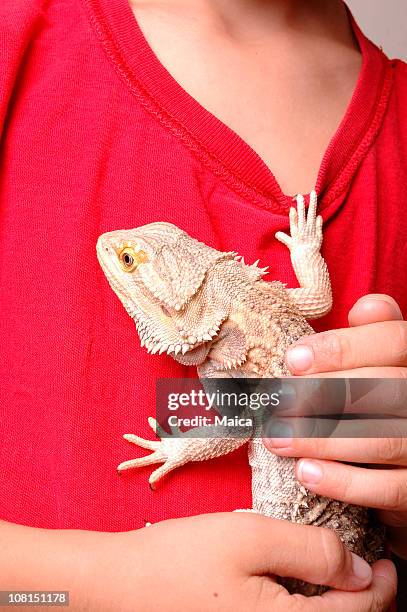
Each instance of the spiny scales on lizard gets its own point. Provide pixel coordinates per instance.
(209, 309)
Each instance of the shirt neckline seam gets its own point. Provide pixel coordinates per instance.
(275, 201)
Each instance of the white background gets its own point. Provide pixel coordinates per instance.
(384, 22)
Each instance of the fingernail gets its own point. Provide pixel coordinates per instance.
(300, 358)
(386, 569)
(279, 434)
(391, 304)
(361, 569)
(287, 396)
(309, 472)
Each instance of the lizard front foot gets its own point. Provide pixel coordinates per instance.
(305, 228)
(168, 451)
(179, 448)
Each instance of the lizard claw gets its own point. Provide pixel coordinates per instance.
(150, 444)
(300, 213)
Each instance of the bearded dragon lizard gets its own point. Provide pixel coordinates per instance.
(207, 308)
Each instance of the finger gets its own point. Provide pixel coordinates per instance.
(377, 598)
(373, 372)
(301, 211)
(384, 489)
(284, 238)
(374, 308)
(287, 436)
(377, 344)
(379, 393)
(386, 451)
(313, 554)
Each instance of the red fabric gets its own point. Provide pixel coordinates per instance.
(97, 136)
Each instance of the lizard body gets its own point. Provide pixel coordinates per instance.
(207, 308)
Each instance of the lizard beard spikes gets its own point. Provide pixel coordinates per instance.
(238, 326)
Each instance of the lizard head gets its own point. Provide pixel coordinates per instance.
(158, 273)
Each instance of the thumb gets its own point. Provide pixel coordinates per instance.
(305, 552)
(374, 308)
(378, 596)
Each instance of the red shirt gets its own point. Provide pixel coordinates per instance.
(95, 136)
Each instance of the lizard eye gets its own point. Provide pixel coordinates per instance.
(130, 259)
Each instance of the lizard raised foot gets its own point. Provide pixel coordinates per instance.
(178, 449)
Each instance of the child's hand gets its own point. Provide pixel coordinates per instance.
(228, 562)
(375, 346)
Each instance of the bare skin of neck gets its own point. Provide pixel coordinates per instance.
(280, 73)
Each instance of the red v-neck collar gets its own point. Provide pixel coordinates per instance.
(214, 143)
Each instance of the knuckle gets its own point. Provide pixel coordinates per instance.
(314, 446)
(297, 603)
(394, 496)
(266, 591)
(346, 484)
(251, 529)
(334, 558)
(401, 340)
(392, 450)
(377, 603)
(334, 349)
(402, 372)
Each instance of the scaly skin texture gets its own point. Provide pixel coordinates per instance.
(211, 310)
